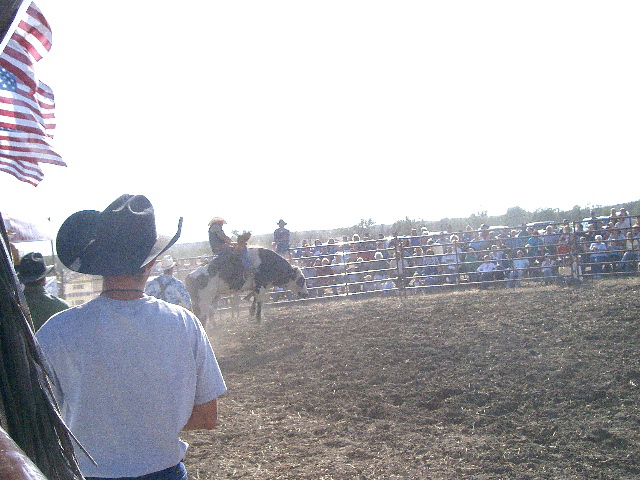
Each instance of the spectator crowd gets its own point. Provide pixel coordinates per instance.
(564, 253)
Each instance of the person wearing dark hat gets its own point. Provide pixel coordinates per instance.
(281, 238)
(32, 272)
(129, 371)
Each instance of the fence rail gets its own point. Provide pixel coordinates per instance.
(567, 253)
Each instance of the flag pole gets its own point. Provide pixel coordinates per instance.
(17, 18)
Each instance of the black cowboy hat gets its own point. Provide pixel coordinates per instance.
(282, 222)
(121, 240)
(32, 268)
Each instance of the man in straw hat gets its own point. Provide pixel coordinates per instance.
(167, 287)
(129, 371)
(222, 247)
(32, 272)
(218, 240)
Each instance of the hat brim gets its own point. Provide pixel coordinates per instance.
(163, 243)
(75, 236)
(34, 278)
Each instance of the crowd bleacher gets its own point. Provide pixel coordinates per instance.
(485, 257)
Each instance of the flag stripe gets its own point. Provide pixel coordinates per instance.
(22, 171)
(27, 105)
(30, 155)
(22, 146)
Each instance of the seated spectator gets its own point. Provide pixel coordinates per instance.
(594, 222)
(324, 277)
(599, 255)
(487, 271)
(338, 263)
(534, 244)
(624, 220)
(591, 233)
(367, 249)
(437, 246)
(415, 260)
(332, 247)
(467, 236)
(505, 239)
(449, 263)
(520, 238)
(424, 236)
(629, 262)
(380, 269)
(369, 285)
(430, 266)
(550, 240)
(498, 257)
(564, 241)
(318, 250)
(355, 276)
(486, 236)
(477, 243)
(457, 247)
(616, 243)
(520, 269)
(389, 287)
(470, 264)
(414, 238)
(547, 265)
(381, 246)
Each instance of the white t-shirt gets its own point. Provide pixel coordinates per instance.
(127, 375)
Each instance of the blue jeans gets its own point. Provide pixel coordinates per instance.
(177, 472)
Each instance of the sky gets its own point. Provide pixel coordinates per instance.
(328, 113)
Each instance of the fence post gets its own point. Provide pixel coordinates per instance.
(400, 269)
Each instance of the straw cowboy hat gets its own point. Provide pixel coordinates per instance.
(121, 240)
(32, 268)
(219, 220)
(167, 262)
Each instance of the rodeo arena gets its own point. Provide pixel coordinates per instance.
(234, 286)
(566, 253)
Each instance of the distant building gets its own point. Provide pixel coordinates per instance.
(79, 289)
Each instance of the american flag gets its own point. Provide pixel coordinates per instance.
(26, 104)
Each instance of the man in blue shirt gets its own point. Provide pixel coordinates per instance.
(281, 237)
(167, 287)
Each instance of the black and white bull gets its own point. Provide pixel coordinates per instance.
(224, 275)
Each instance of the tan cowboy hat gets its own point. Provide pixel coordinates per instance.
(217, 220)
(167, 262)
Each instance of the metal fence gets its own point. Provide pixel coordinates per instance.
(490, 257)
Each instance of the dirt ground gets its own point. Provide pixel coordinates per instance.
(540, 382)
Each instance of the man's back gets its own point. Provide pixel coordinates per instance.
(169, 289)
(41, 304)
(127, 375)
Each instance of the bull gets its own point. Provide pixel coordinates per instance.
(225, 275)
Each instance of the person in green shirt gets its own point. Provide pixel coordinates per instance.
(32, 272)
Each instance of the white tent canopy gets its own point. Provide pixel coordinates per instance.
(22, 231)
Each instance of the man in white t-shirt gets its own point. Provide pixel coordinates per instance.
(129, 371)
